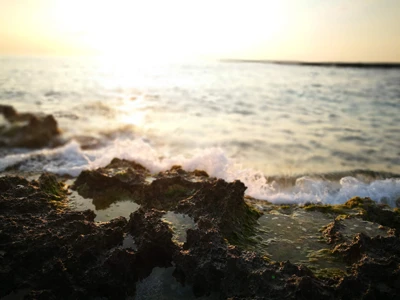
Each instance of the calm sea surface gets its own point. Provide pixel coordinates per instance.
(242, 121)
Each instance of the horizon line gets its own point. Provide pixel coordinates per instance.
(342, 64)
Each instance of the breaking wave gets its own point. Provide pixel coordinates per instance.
(70, 159)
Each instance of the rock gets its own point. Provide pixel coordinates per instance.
(165, 193)
(373, 212)
(119, 174)
(153, 238)
(332, 232)
(49, 249)
(8, 112)
(55, 252)
(49, 184)
(126, 178)
(375, 269)
(115, 278)
(203, 260)
(223, 203)
(120, 179)
(28, 130)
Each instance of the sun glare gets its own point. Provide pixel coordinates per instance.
(167, 30)
(124, 28)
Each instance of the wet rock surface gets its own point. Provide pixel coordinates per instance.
(27, 130)
(50, 251)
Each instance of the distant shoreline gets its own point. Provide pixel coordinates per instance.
(364, 65)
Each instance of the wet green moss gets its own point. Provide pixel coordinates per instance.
(200, 173)
(176, 191)
(329, 273)
(331, 209)
(243, 233)
(357, 202)
(364, 208)
(326, 257)
(49, 184)
(342, 217)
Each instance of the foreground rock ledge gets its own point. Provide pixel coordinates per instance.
(50, 252)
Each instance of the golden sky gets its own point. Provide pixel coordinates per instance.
(307, 30)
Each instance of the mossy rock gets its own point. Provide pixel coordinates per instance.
(327, 209)
(371, 211)
(285, 206)
(49, 184)
(177, 191)
(200, 173)
(244, 231)
(329, 273)
(358, 202)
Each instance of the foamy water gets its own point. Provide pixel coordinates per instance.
(71, 159)
(234, 120)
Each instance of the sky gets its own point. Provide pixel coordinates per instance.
(301, 30)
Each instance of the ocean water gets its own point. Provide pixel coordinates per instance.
(292, 134)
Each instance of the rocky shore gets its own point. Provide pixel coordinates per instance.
(211, 240)
(50, 251)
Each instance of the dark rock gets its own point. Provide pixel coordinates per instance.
(54, 252)
(397, 202)
(49, 250)
(223, 203)
(332, 232)
(119, 174)
(374, 212)
(115, 278)
(165, 193)
(8, 112)
(202, 262)
(28, 130)
(153, 238)
(375, 269)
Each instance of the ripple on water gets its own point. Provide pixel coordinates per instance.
(295, 237)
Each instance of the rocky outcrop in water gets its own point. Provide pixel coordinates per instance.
(27, 129)
(191, 193)
(49, 251)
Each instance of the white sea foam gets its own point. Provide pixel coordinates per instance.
(68, 159)
(320, 191)
(71, 159)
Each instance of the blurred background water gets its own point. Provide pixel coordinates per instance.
(234, 119)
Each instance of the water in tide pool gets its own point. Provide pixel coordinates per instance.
(290, 133)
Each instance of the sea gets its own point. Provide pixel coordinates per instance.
(290, 133)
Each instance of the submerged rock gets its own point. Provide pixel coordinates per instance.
(27, 129)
